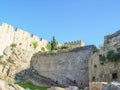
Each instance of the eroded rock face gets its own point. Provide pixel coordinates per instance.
(67, 68)
(8, 86)
(13, 61)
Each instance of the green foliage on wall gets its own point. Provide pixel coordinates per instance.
(48, 46)
(66, 47)
(35, 44)
(112, 56)
(13, 45)
(43, 49)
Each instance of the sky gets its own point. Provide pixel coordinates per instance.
(67, 20)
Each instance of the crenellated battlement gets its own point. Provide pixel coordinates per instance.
(77, 43)
(21, 38)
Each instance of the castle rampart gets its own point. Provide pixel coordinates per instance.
(77, 43)
(19, 37)
(104, 64)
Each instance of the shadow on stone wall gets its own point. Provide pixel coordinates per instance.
(30, 75)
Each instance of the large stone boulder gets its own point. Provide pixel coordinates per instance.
(72, 88)
(96, 85)
(110, 87)
(86, 88)
(55, 88)
(8, 86)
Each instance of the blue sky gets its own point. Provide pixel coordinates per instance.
(67, 20)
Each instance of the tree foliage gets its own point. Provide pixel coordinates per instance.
(48, 46)
(66, 47)
(112, 56)
(53, 44)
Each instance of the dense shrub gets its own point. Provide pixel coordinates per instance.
(112, 56)
(66, 47)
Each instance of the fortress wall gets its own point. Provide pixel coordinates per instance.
(6, 36)
(66, 68)
(77, 43)
(41, 42)
(103, 72)
(102, 69)
(112, 39)
(21, 38)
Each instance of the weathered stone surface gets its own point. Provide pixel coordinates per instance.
(7, 86)
(110, 87)
(72, 88)
(13, 61)
(101, 69)
(104, 86)
(65, 68)
(16, 50)
(19, 37)
(96, 85)
(112, 39)
(86, 88)
(55, 88)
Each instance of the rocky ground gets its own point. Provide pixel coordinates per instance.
(104, 86)
(9, 86)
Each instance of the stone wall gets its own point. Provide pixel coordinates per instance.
(64, 67)
(103, 72)
(77, 43)
(21, 38)
(102, 69)
(112, 39)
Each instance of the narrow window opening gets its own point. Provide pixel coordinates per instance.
(114, 76)
(93, 78)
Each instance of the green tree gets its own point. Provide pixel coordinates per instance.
(53, 44)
